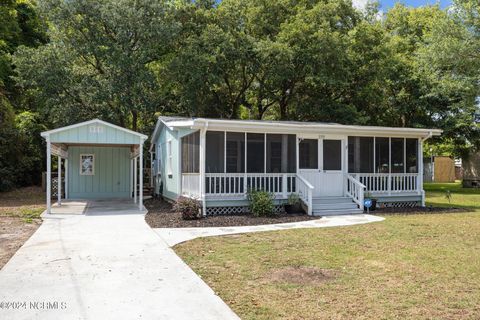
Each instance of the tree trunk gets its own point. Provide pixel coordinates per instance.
(134, 120)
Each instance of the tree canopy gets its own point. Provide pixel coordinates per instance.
(127, 61)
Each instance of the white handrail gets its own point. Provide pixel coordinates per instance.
(356, 191)
(305, 192)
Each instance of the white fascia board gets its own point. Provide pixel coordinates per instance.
(96, 121)
(278, 127)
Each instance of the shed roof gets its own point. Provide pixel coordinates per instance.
(94, 131)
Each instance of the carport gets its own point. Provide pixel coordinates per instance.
(96, 161)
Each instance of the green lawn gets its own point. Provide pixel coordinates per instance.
(468, 198)
(415, 267)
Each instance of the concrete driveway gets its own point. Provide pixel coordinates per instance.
(102, 266)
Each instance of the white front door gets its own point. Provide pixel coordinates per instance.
(321, 162)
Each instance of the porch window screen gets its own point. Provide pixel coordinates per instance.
(255, 152)
(215, 146)
(281, 153)
(397, 160)
(412, 155)
(191, 153)
(382, 158)
(332, 155)
(360, 155)
(308, 154)
(235, 152)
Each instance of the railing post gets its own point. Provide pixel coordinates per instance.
(389, 182)
(361, 197)
(284, 185)
(310, 204)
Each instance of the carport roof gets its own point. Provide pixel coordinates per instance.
(94, 131)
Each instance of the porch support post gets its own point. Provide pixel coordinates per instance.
(420, 171)
(49, 176)
(140, 202)
(202, 157)
(135, 180)
(131, 178)
(297, 158)
(66, 178)
(59, 181)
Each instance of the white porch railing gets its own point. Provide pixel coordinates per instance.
(389, 182)
(237, 184)
(305, 191)
(191, 184)
(356, 191)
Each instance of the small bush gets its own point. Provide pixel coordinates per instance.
(190, 208)
(293, 199)
(261, 203)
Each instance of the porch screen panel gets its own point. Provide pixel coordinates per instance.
(191, 153)
(360, 155)
(215, 147)
(235, 152)
(281, 153)
(398, 150)
(255, 152)
(308, 154)
(382, 160)
(412, 155)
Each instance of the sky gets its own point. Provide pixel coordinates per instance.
(387, 4)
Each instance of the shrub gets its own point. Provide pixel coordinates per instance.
(293, 199)
(190, 208)
(261, 203)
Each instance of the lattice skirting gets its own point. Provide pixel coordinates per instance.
(55, 185)
(216, 211)
(399, 204)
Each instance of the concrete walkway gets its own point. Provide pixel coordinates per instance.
(173, 236)
(98, 266)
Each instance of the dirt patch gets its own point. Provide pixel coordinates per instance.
(301, 275)
(418, 210)
(14, 232)
(161, 215)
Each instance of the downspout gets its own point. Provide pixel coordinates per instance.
(420, 176)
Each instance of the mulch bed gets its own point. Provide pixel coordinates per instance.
(417, 210)
(161, 215)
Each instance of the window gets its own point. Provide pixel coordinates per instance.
(87, 164)
(281, 153)
(255, 152)
(191, 153)
(382, 158)
(169, 158)
(360, 155)
(332, 155)
(397, 159)
(308, 154)
(215, 147)
(411, 155)
(235, 152)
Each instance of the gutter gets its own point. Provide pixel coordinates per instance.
(428, 136)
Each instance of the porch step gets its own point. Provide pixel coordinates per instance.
(328, 206)
(335, 212)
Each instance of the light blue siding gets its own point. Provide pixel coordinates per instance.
(170, 180)
(112, 173)
(94, 133)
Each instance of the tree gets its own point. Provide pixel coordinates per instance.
(97, 63)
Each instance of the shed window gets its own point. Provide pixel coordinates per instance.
(87, 164)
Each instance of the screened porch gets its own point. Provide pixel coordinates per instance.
(237, 161)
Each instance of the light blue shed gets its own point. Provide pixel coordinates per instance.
(100, 161)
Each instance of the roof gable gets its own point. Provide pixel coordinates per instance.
(94, 131)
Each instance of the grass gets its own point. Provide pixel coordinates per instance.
(26, 203)
(468, 198)
(406, 267)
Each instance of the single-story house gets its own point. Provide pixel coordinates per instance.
(330, 166)
(100, 161)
